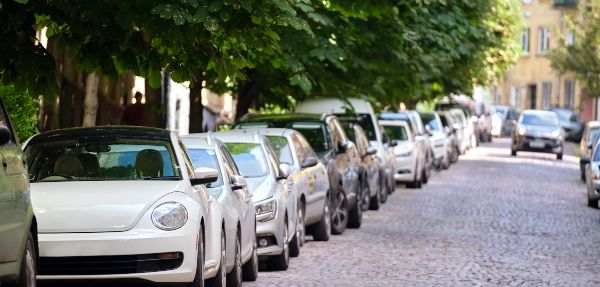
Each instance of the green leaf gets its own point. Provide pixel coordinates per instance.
(154, 78)
(201, 14)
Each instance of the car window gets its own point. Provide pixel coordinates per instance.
(187, 160)
(539, 119)
(593, 135)
(102, 159)
(4, 121)
(272, 158)
(396, 132)
(282, 149)
(315, 133)
(597, 154)
(308, 150)
(249, 158)
(202, 157)
(431, 121)
(300, 153)
(229, 161)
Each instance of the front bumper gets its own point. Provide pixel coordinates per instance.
(405, 169)
(273, 232)
(538, 144)
(60, 247)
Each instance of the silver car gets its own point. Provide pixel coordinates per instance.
(592, 177)
(272, 194)
(233, 213)
(310, 180)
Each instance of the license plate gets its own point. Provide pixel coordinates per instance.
(537, 144)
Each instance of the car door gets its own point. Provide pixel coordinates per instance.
(286, 186)
(14, 195)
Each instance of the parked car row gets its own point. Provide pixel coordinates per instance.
(589, 162)
(141, 203)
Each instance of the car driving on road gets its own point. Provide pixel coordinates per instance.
(119, 203)
(272, 194)
(538, 131)
(232, 256)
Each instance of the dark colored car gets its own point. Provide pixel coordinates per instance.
(370, 182)
(328, 139)
(507, 117)
(571, 124)
(18, 231)
(538, 131)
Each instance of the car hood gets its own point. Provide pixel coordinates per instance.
(403, 147)
(95, 206)
(539, 131)
(261, 188)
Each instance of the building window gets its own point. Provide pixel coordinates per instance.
(569, 93)
(546, 94)
(543, 39)
(570, 38)
(525, 41)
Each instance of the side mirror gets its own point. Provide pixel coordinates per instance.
(342, 146)
(393, 143)
(239, 182)
(5, 135)
(584, 161)
(284, 171)
(590, 145)
(309, 162)
(371, 150)
(204, 175)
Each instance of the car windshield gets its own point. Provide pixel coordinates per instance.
(282, 148)
(501, 111)
(206, 158)
(102, 160)
(396, 132)
(564, 115)
(539, 119)
(444, 121)
(316, 135)
(250, 159)
(593, 135)
(430, 120)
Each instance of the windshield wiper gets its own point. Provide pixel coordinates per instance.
(160, 178)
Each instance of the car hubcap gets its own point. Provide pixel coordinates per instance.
(339, 215)
(301, 232)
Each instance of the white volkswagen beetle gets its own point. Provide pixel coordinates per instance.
(118, 202)
(234, 214)
(272, 194)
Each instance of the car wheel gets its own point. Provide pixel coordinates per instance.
(27, 275)
(250, 269)
(365, 194)
(513, 152)
(593, 203)
(374, 202)
(559, 156)
(220, 279)
(384, 192)
(234, 278)
(355, 220)
(414, 184)
(295, 244)
(446, 162)
(281, 262)
(582, 170)
(425, 176)
(301, 224)
(455, 154)
(322, 230)
(199, 276)
(339, 217)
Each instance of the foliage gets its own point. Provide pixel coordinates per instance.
(23, 110)
(583, 57)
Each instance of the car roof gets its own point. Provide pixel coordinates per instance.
(250, 118)
(335, 105)
(394, 116)
(273, 131)
(103, 131)
(241, 135)
(201, 140)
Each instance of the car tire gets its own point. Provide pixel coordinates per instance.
(446, 162)
(365, 194)
(199, 276)
(281, 262)
(295, 245)
(513, 152)
(355, 217)
(220, 280)
(339, 214)
(582, 171)
(414, 184)
(322, 230)
(385, 192)
(234, 278)
(250, 269)
(425, 176)
(375, 201)
(593, 203)
(559, 156)
(27, 274)
(301, 224)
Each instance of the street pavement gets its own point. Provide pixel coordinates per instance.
(490, 220)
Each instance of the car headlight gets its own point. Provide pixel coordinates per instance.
(522, 131)
(266, 210)
(169, 216)
(556, 133)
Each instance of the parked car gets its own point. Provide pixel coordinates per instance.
(234, 248)
(327, 137)
(592, 171)
(413, 119)
(371, 193)
(309, 176)
(410, 159)
(367, 119)
(441, 145)
(450, 129)
(538, 131)
(571, 124)
(484, 121)
(465, 129)
(120, 203)
(18, 227)
(272, 193)
(468, 107)
(588, 141)
(504, 120)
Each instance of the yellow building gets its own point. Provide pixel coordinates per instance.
(532, 83)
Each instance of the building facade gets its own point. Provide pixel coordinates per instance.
(532, 83)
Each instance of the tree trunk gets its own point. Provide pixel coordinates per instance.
(154, 107)
(90, 103)
(196, 103)
(248, 93)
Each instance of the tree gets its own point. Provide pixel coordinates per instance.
(583, 56)
(23, 111)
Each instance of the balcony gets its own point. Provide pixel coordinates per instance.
(565, 3)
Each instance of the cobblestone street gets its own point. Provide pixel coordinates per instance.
(491, 219)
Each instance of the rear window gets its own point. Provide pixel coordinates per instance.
(206, 158)
(315, 133)
(431, 121)
(282, 149)
(365, 121)
(250, 159)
